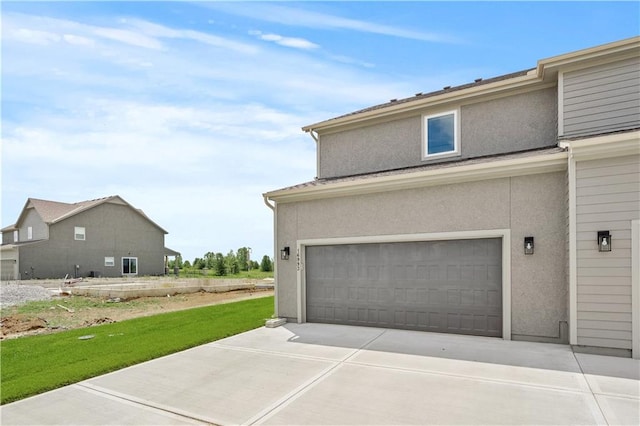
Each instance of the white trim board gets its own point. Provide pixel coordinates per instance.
(635, 289)
(504, 234)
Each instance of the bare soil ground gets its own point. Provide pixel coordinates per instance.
(93, 311)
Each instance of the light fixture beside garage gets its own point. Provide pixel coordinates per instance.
(284, 253)
(604, 241)
(528, 245)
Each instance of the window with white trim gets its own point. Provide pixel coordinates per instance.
(440, 135)
(29, 233)
(79, 233)
(129, 266)
(15, 236)
(109, 261)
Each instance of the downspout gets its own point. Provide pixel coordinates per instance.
(573, 245)
(273, 208)
(315, 138)
(313, 135)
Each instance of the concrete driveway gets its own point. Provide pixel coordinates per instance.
(328, 374)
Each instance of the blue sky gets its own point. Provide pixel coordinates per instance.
(191, 110)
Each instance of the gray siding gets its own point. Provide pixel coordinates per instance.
(32, 219)
(7, 237)
(608, 198)
(602, 98)
(112, 230)
(527, 205)
(508, 124)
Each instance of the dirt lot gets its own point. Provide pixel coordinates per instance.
(68, 312)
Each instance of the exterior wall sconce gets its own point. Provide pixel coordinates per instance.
(604, 241)
(528, 245)
(284, 253)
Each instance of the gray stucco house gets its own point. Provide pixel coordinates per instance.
(508, 207)
(105, 237)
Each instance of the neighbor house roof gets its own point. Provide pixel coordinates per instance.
(54, 211)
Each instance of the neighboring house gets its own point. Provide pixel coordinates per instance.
(106, 237)
(477, 209)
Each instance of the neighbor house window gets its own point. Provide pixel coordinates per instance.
(79, 233)
(109, 261)
(129, 265)
(15, 236)
(440, 133)
(29, 233)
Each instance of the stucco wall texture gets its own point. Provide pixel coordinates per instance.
(503, 125)
(522, 204)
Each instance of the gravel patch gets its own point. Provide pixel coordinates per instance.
(12, 294)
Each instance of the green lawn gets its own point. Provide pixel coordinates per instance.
(32, 365)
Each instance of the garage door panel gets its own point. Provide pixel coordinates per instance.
(445, 286)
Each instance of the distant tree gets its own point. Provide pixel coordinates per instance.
(266, 265)
(210, 260)
(177, 262)
(199, 263)
(243, 258)
(220, 266)
(254, 264)
(232, 263)
(186, 264)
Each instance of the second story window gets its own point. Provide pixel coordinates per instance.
(15, 236)
(440, 134)
(29, 233)
(79, 233)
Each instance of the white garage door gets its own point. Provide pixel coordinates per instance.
(440, 286)
(8, 269)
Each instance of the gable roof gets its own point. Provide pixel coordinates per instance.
(52, 212)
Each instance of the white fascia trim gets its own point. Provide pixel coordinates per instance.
(573, 253)
(606, 146)
(635, 289)
(505, 234)
(560, 91)
(448, 175)
(598, 53)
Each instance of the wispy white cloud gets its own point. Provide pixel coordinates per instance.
(128, 31)
(78, 40)
(299, 17)
(295, 42)
(155, 30)
(128, 37)
(26, 35)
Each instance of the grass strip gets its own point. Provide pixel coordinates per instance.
(32, 365)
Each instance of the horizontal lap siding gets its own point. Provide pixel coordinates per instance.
(608, 198)
(601, 98)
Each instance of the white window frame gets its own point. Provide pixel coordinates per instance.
(122, 265)
(29, 233)
(109, 261)
(16, 236)
(456, 135)
(79, 233)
